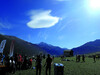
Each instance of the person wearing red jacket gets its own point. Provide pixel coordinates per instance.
(30, 62)
(19, 61)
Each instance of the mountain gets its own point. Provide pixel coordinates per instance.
(90, 47)
(21, 46)
(53, 50)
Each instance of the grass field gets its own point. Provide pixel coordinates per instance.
(70, 67)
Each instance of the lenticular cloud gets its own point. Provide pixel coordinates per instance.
(42, 19)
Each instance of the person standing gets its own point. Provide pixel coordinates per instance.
(76, 58)
(19, 61)
(53, 57)
(79, 58)
(83, 58)
(38, 65)
(16, 60)
(48, 64)
(30, 62)
(24, 66)
(94, 58)
(12, 66)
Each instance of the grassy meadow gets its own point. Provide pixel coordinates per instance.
(70, 67)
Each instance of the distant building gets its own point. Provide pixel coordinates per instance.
(68, 53)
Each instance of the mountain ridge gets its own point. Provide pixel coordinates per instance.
(89, 47)
(53, 50)
(24, 47)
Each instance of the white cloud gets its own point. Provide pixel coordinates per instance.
(4, 26)
(64, 26)
(93, 33)
(60, 37)
(42, 19)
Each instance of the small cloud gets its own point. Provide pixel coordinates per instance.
(60, 18)
(2, 33)
(43, 35)
(93, 33)
(60, 37)
(29, 37)
(64, 26)
(42, 19)
(4, 24)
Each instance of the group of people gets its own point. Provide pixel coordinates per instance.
(78, 57)
(17, 62)
(22, 62)
(48, 63)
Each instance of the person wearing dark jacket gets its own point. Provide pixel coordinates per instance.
(83, 58)
(48, 64)
(38, 65)
(12, 65)
(94, 58)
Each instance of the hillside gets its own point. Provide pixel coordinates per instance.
(24, 47)
(20, 46)
(53, 50)
(90, 47)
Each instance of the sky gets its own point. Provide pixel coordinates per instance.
(64, 23)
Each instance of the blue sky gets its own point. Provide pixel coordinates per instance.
(64, 23)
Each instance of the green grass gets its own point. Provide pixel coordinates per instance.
(70, 67)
